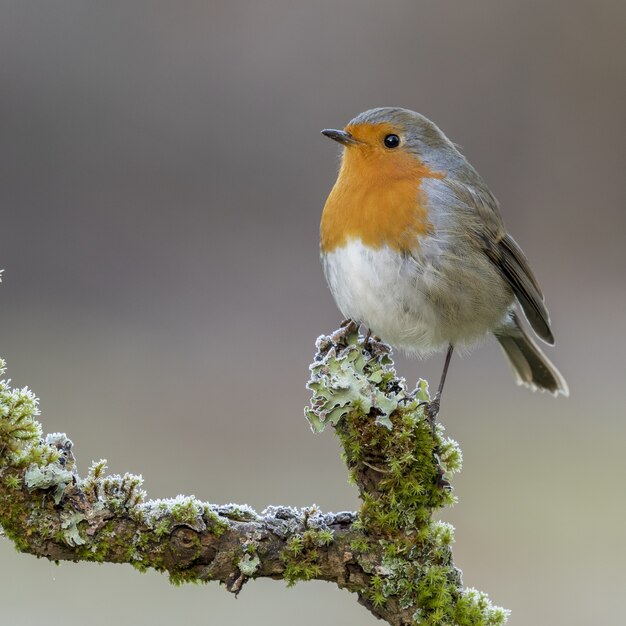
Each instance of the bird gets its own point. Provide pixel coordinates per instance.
(414, 248)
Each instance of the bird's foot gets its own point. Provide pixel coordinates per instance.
(431, 410)
(371, 342)
(368, 336)
(432, 406)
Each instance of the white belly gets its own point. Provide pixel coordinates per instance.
(414, 305)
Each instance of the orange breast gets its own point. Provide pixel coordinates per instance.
(378, 199)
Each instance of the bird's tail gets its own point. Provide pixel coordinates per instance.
(531, 367)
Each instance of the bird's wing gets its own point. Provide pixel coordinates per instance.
(504, 252)
(508, 257)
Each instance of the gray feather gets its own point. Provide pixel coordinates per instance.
(510, 260)
(530, 365)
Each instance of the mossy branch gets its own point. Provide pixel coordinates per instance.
(392, 554)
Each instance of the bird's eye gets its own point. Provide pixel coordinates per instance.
(391, 141)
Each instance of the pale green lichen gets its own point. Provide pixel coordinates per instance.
(248, 565)
(69, 522)
(250, 561)
(49, 476)
(345, 379)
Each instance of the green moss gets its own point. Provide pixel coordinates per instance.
(360, 544)
(12, 481)
(178, 578)
(301, 556)
(405, 458)
(322, 537)
(186, 510)
(295, 546)
(305, 569)
(19, 429)
(16, 522)
(163, 516)
(39, 454)
(162, 527)
(473, 608)
(103, 544)
(419, 576)
(122, 493)
(376, 593)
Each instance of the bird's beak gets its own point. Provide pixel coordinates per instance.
(341, 136)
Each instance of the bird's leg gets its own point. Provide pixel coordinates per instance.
(432, 407)
(368, 336)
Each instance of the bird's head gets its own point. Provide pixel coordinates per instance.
(392, 141)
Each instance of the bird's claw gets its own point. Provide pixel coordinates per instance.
(431, 410)
(368, 337)
(432, 406)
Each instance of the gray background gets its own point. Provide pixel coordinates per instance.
(161, 182)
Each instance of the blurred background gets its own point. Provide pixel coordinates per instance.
(161, 182)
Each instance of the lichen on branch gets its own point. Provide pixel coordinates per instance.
(392, 553)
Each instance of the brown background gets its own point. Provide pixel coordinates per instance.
(161, 182)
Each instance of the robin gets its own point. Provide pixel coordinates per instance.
(414, 247)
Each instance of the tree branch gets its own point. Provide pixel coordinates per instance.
(392, 554)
